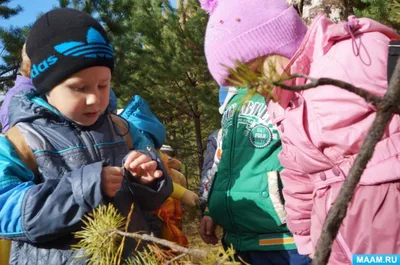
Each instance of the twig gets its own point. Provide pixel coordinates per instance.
(185, 95)
(339, 209)
(316, 82)
(166, 243)
(118, 256)
(175, 259)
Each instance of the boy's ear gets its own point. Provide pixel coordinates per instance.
(25, 67)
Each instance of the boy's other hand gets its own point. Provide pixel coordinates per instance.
(111, 179)
(142, 167)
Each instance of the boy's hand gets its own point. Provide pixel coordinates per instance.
(142, 167)
(111, 179)
(208, 230)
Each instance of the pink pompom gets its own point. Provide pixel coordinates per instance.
(209, 5)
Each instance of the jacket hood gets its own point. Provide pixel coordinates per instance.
(28, 106)
(323, 34)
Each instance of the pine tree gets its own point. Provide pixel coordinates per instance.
(384, 11)
(7, 12)
(11, 43)
(12, 40)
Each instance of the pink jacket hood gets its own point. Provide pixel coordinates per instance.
(323, 33)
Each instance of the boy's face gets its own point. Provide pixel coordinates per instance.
(84, 96)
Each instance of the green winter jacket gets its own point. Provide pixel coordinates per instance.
(245, 197)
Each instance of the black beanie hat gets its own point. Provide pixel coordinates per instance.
(63, 42)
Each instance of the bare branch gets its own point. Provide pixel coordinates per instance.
(186, 97)
(163, 242)
(8, 78)
(192, 82)
(315, 82)
(176, 106)
(339, 209)
(9, 69)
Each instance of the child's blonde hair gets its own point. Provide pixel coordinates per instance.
(25, 67)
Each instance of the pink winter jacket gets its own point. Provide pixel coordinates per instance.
(322, 131)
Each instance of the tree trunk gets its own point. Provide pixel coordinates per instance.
(183, 16)
(197, 127)
(336, 10)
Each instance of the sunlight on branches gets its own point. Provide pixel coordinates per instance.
(259, 76)
(102, 241)
(97, 237)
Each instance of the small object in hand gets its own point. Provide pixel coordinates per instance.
(127, 177)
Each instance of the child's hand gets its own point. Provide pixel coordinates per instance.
(111, 178)
(207, 230)
(142, 167)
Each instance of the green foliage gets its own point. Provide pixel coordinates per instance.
(11, 40)
(384, 11)
(7, 12)
(146, 256)
(97, 239)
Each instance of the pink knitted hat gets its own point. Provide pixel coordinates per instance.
(244, 30)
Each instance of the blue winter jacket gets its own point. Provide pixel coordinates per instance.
(40, 213)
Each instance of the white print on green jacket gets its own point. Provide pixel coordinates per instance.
(259, 128)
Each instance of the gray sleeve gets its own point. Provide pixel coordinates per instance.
(208, 164)
(55, 208)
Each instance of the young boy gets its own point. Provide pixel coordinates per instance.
(78, 147)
